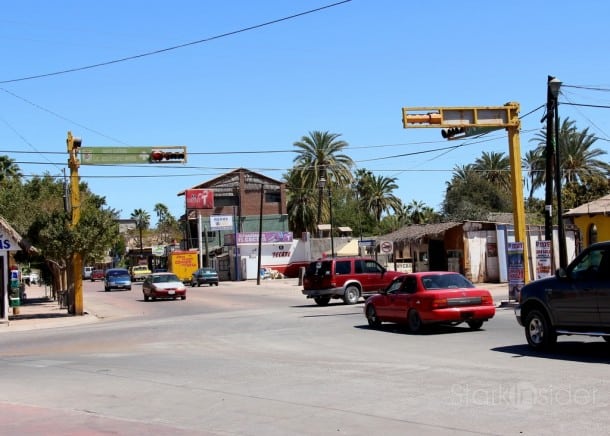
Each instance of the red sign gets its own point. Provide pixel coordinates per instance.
(199, 199)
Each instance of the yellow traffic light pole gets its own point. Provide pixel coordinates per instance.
(459, 120)
(77, 260)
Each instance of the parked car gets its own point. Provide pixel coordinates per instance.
(575, 301)
(139, 272)
(348, 278)
(34, 278)
(204, 276)
(97, 274)
(163, 285)
(117, 278)
(434, 297)
(87, 272)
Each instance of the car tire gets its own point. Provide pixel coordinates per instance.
(538, 331)
(183, 297)
(145, 297)
(414, 321)
(371, 317)
(107, 289)
(322, 301)
(352, 294)
(475, 324)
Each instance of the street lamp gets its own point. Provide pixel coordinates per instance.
(332, 239)
(554, 87)
(321, 184)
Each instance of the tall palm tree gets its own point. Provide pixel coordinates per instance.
(533, 164)
(165, 220)
(379, 196)
(417, 211)
(319, 157)
(9, 169)
(578, 158)
(142, 219)
(494, 167)
(301, 210)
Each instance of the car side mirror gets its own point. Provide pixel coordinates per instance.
(561, 273)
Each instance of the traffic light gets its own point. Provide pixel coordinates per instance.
(452, 132)
(168, 155)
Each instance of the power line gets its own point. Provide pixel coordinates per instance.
(175, 47)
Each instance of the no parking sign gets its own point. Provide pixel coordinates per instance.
(386, 247)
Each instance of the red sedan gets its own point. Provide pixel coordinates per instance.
(434, 297)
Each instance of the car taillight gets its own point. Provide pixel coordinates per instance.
(487, 300)
(439, 303)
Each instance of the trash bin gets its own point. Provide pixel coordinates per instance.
(15, 302)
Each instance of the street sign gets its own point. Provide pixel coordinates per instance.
(114, 155)
(386, 247)
(366, 243)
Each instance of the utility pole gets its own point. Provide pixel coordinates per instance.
(77, 259)
(549, 153)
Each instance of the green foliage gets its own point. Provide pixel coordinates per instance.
(471, 197)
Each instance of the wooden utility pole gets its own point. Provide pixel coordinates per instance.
(77, 259)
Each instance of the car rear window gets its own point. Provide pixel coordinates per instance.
(318, 268)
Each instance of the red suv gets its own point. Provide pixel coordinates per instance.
(348, 278)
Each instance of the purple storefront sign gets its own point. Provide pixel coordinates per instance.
(252, 237)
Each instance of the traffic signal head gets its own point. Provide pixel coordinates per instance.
(452, 132)
(168, 156)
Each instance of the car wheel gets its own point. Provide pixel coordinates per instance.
(145, 297)
(475, 324)
(322, 301)
(538, 331)
(371, 316)
(414, 321)
(106, 289)
(352, 294)
(183, 297)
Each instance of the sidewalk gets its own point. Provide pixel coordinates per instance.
(40, 311)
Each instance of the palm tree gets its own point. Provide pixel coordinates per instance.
(142, 219)
(301, 211)
(417, 211)
(533, 163)
(318, 159)
(9, 169)
(379, 197)
(578, 159)
(494, 167)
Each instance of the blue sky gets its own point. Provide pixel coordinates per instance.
(347, 69)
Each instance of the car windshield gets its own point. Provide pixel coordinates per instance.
(445, 281)
(165, 278)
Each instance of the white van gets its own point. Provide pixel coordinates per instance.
(87, 272)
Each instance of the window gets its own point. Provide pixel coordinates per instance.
(343, 267)
(373, 267)
(272, 197)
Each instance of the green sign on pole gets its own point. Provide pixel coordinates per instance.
(115, 155)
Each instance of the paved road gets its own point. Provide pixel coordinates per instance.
(252, 360)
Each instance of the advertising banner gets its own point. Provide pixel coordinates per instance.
(543, 259)
(221, 222)
(199, 198)
(516, 269)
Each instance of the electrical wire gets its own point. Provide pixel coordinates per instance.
(175, 47)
